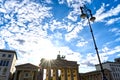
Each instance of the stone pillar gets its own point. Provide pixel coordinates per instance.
(16, 73)
(78, 77)
(48, 74)
(35, 75)
(32, 75)
(21, 76)
(40, 74)
(72, 77)
(69, 75)
(63, 74)
(55, 74)
(75, 74)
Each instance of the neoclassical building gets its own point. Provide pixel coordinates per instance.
(96, 75)
(59, 69)
(26, 72)
(114, 67)
(7, 64)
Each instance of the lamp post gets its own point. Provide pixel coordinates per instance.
(85, 14)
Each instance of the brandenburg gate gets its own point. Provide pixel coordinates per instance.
(59, 69)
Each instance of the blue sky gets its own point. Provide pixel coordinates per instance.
(41, 28)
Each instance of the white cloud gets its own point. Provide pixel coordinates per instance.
(29, 37)
(54, 24)
(118, 39)
(70, 55)
(74, 33)
(61, 1)
(72, 16)
(107, 52)
(72, 30)
(26, 39)
(48, 1)
(71, 3)
(91, 59)
(111, 21)
(30, 40)
(2, 10)
(81, 43)
(118, 55)
(113, 29)
(43, 48)
(116, 31)
(105, 49)
(49, 51)
(100, 11)
(2, 42)
(101, 14)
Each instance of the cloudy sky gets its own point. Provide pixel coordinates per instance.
(38, 29)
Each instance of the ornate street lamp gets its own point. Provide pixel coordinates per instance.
(86, 13)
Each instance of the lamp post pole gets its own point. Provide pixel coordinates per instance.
(84, 14)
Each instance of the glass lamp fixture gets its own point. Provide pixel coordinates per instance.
(87, 13)
(92, 19)
(83, 15)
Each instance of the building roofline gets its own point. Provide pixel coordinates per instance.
(10, 51)
(95, 71)
(27, 64)
(107, 62)
(117, 58)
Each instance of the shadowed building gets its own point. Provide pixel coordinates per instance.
(7, 64)
(26, 72)
(95, 75)
(114, 67)
(60, 69)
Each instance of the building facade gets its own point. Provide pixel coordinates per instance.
(26, 72)
(95, 75)
(59, 69)
(114, 68)
(7, 64)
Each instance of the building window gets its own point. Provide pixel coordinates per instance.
(9, 56)
(7, 63)
(4, 71)
(4, 55)
(4, 63)
(1, 62)
(26, 75)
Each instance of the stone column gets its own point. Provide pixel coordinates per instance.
(40, 74)
(63, 74)
(55, 74)
(66, 74)
(48, 74)
(16, 73)
(69, 76)
(32, 75)
(21, 76)
(35, 75)
(71, 72)
(75, 74)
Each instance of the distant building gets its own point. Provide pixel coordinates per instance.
(114, 68)
(95, 75)
(117, 60)
(7, 64)
(26, 72)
